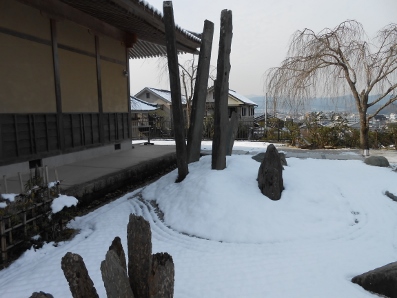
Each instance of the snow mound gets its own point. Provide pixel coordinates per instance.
(228, 205)
(63, 201)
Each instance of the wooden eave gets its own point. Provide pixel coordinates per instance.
(133, 22)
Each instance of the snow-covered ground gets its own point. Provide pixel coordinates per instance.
(332, 223)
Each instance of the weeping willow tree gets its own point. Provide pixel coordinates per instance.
(338, 62)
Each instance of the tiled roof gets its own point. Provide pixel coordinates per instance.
(138, 18)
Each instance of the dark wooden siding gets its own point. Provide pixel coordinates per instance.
(25, 137)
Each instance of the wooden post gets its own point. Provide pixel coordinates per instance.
(221, 116)
(46, 176)
(20, 182)
(3, 241)
(175, 86)
(200, 93)
(57, 181)
(5, 183)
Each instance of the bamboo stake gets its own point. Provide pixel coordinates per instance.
(20, 182)
(5, 183)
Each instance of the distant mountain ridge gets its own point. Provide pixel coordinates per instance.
(343, 104)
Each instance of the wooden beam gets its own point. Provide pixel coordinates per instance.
(99, 90)
(57, 81)
(58, 10)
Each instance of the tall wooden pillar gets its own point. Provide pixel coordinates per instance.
(200, 93)
(221, 117)
(176, 97)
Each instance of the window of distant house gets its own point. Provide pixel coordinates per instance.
(243, 111)
(147, 95)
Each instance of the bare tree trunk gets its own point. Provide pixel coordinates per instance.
(364, 130)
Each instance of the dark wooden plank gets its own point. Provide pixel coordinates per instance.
(99, 86)
(58, 10)
(24, 36)
(16, 135)
(72, 129)
(129, 124)
(82, 129)
(92, 128)
(47, 137)
(57, 80)
(175, 86)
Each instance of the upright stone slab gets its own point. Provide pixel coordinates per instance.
(161, 279)
(117, 247)
(270, 174)
(115, 277)
(382, 280)
(231, 133)
(221, 92)
(139, 255)
(80, 283)
(176, 97)
(195, 132)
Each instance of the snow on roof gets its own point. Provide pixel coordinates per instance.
(242, 98)
(160, 14)
(141, 105)
(237, 96)
(165, 94)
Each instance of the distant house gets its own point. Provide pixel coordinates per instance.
(160, 97)
(140, 115)
(244, 107)
(64, 76)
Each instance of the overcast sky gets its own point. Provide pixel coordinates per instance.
(261, 33)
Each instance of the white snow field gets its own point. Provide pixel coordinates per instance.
(333, 222)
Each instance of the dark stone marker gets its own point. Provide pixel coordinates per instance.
(377, 161)
(391, 196)
(221, 92)
(139, 238)
(80, 283)
(270, 174)
(176, 97)
(161, 279)
(231, 133)
(259, 157)
(382, 280)
(117, 247)
(115, 277)
(195, 132)
(41, 295)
